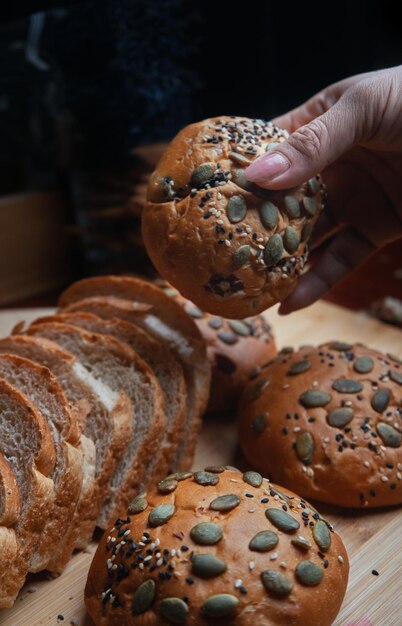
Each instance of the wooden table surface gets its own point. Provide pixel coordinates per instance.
(373, 537)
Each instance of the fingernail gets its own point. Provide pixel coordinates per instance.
(267, 167)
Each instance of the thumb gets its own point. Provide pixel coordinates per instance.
(311, 148)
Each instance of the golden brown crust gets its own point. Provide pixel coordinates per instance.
(234, 347)
(122, 563)
(208, 230)
(353, 464)
(10, 503)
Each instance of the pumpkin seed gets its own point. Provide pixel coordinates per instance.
(363, 365)
(282, 520)
(206, 533)
(239, 158)
(259, 423)
(340, 417)
(341, 346)
(322, 535)
(273, 250)
(314, 185)
(236, 209)
(291, 239)
(255, 390)
(144, 597)
(215, 322)
(194, 311)
(304, 447)
(202, 173)
(263, 541)
(207, 565)
(380, 400)
(206, 478)
(306, 231)
(221, 605)
(390, 436)
(240, 178)
(309, 573)
(314, 398)
(271, 146)
(231, 468)
(396, 377)
(174, 609)
(160, 515)
(225, 503)
(215, 469)
(345, 385)
(239, 327)
(269, 215)
(139, 504)
(299, 367)
(276, 583)
(228, 338)
(182, 475)
(167, 486)
(301, 542)
(292, 207)
(241, 256)
(252, 478)
(310, 206)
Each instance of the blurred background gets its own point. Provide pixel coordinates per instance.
(91, 91)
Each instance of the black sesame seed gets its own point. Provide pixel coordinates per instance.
(264, 501)
(325, 563)
(374, 572)
(189, 581)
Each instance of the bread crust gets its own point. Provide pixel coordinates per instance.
(110, 603)
(10, 503)
(232, 248)
(349, 465)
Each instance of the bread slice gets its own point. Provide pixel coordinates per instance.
(105, 417)
(113, 363)
(46, 394)
(23, 437)
(166, 321)
(162, 362)
(10, 508)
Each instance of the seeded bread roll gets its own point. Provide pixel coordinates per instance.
(234, 347)
(232, 248)
(220, 547)
(327, 422)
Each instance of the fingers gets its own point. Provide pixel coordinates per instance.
(347, 250)
(310, 148)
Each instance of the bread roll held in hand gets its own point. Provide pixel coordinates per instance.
(327, 422)
(232, 248)
(234, 347)
(218, 547)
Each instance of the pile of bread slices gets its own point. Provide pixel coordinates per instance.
(96, 403)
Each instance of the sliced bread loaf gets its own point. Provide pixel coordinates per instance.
(167, 321)
(105, 417)
(22, 438)
(113, 363)
(46, 394)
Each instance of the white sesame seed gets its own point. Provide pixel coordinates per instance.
(285, 276)
(128, 531)
(157, 541)
(385, 379)
(141, 543)
(283, 564)
(315, 383)
(274, 556)
(399, 466)
(355, 437)
(296, 429)
(384, 479)
(348, 403)
(252, 510)
(113, 540)
(148, 558)
(243, 235)
(218, 213)
(219, 221)
(276, 497)
(234, 480)
(366, 464)
(399, 475)
(260, 246)
(228, 243)
(173, 552)
(219, 195)
(238, 583)
(310, 472)
(114, 567)
(152, 546)
(159, 562)
(109, 538)
(340, 559)
(304, 468)
(251, 565)
(158, 555)
(326, 439)
(141, 566)
(178, 553)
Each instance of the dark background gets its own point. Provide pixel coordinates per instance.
(83, 83)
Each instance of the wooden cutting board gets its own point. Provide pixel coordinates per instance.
(373, 538)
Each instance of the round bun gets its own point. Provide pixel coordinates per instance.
(218, 547)
(234, 347)
(229, 246)
(327, 422)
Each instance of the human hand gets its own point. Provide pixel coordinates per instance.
(352, 132)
